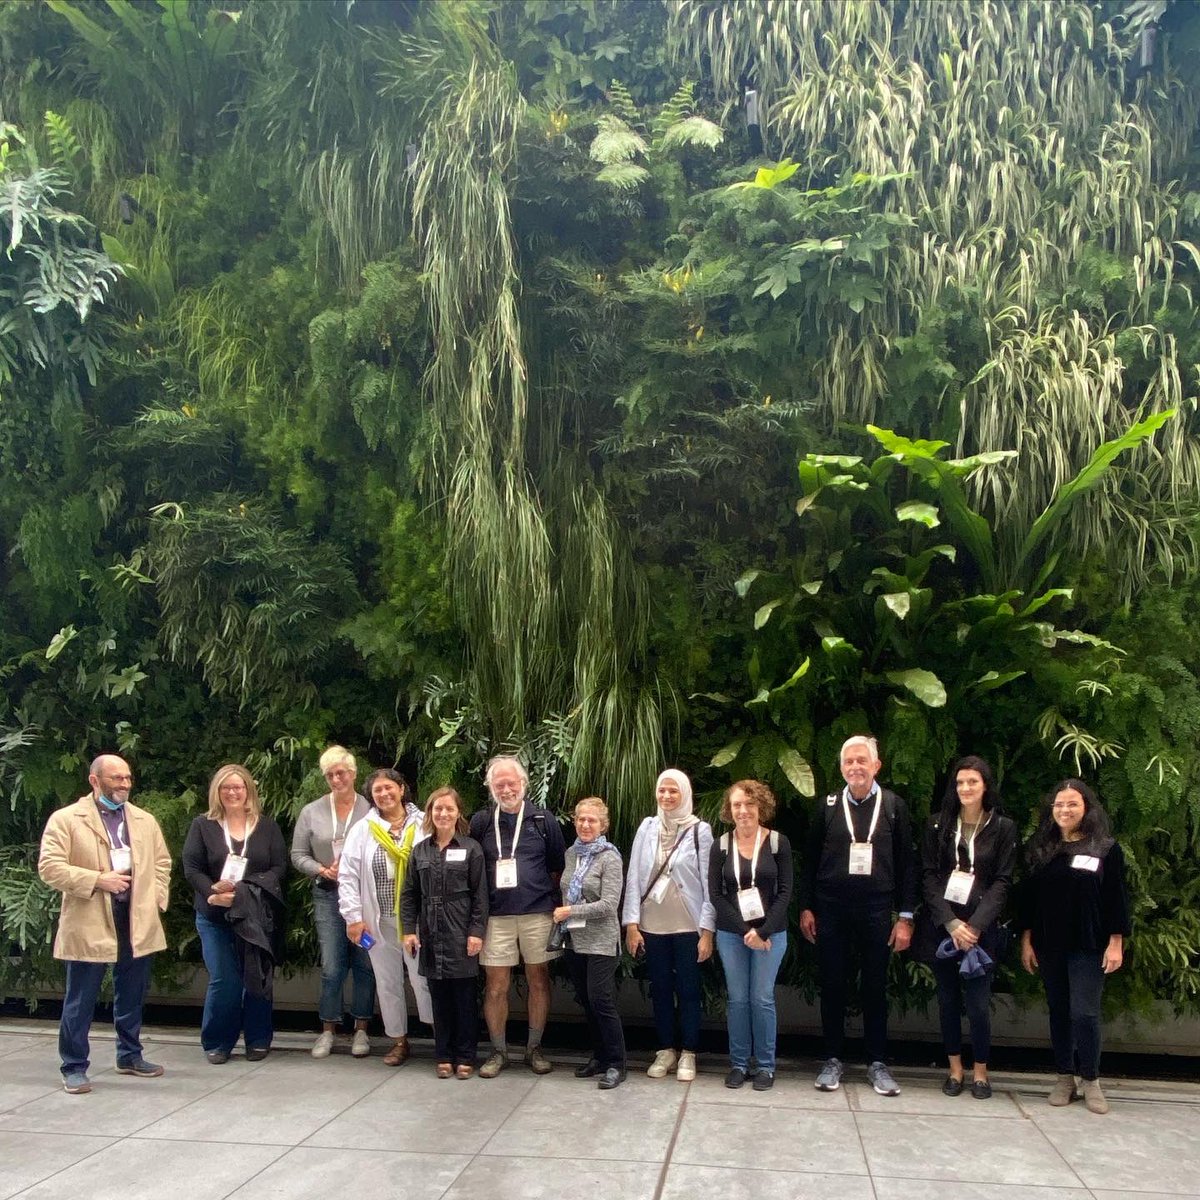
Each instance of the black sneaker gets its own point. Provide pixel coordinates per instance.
(764, 1081)
(736, 1078)
(139, 1067)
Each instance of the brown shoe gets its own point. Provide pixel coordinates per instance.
(398, 1054)
(444, 1070)
(465, 1071)
(495, 1064)
(539, 1064)
(1093, 1097)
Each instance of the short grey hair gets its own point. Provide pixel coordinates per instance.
(860, 739)
(505, 760)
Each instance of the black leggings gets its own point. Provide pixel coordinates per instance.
(593, 976)
(952, 990)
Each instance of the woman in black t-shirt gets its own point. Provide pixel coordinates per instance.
(1075, 915)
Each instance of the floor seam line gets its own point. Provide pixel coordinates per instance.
(671, 1143)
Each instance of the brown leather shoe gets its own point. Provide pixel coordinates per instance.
(398, 1054)
(444, 1070)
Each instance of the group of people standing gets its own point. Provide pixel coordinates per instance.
(428, 897)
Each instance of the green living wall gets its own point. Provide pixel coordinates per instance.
(442, 378)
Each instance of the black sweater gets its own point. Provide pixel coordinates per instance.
(1068, 908)
(773, 878)
(204, 854)
(995, 859)
(826, 878)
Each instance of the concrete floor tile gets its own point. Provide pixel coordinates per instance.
(924, 1099)
(925, 1189)
(1106, 1194)
(967, 1150)
(413, 1110)
(774, 1139)
(552, 1179)
(132, 1166)
(790, 1091)
(634, 1121)
(281, 1105)
(1135, 1147)
(316, 1173)
(686, 1182)
(29, 1158)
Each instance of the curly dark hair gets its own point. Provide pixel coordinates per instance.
(1047, 841)
(406, 795)
(757, 793)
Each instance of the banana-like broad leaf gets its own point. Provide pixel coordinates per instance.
(763, 615)
(919, 511)
(799, 773)
(925, 685)
(727, 754)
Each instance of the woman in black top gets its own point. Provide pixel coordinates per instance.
(967, 859)
(445, 899)
(235, 859)
(1075, 920)
(750, 884)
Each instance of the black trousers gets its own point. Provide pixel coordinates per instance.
(455, 1019)
(843, 935)
(594, 978)
(952, 988)
(1074, 984)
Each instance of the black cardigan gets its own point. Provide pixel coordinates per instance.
(204, 854)
(1066, 908)
(773, 879)
(995, 860)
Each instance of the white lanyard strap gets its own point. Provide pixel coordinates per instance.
(339, 837)
(516, 832)
(874, 816)
(759, 838)
(958, 837)
(245, 841)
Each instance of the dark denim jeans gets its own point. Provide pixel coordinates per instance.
(594, 978)
(131, 976)
(339, 957)
(952, 989)
(1074, 984)
(844, 934)
(229, 1010)
(674, 972)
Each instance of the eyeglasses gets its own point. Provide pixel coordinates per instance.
(1070, 805)
(117, 778)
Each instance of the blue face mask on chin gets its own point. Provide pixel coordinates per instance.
(111, 805)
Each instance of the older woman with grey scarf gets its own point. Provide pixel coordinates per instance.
(592, 878)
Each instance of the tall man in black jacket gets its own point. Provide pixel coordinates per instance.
(859, 870)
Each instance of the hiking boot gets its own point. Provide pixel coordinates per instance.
(495, 1064)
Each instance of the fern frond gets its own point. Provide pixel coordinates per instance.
(615, 141)
(692, 131)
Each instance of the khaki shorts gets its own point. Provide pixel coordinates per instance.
(509, 940)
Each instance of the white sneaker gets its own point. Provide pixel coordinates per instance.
(323, 1046)
(664, 1062)
(360, 1047)
(687, 1067)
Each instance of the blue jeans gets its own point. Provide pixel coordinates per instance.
(951, 989)
(131, 977)
(340, 956)
(674, 972)
(229, 1010)
(750, 982)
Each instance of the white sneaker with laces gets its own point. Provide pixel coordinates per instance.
(323, 1046)
(664, 1062)
(686, 1071)
(360, 1047)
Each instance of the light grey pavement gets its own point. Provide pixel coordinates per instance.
(289, 1128)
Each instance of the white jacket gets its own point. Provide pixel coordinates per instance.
(357, 900)
(690, 874)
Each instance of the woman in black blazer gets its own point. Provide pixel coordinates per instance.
(967, 858)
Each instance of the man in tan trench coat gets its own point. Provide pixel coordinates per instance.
(109, 860)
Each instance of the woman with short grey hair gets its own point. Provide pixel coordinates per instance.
(317, 843)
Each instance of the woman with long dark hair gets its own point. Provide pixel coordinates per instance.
(1075, 920)
(968, 854)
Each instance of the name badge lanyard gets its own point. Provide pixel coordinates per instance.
(506, 868)
(339, 839)
(958, 886)
(749, 899)
(120, 851)
(861, 853)
(234, 870)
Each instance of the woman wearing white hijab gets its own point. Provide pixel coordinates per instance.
(669, 918)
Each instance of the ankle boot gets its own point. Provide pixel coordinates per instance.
(1063, 1091)
(1093, 1097)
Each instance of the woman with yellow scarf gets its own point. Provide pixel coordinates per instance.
(374, 862)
